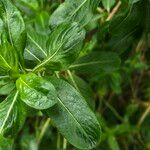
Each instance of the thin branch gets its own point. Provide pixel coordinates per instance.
(113, 12)
(144, 115)
(45, 127)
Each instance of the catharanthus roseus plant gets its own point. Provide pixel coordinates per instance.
(37, 85)
(46, 48)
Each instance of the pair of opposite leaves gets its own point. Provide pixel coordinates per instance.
(58, 100)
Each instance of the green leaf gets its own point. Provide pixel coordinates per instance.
(63, 46)
(96, 62)
(36, 92)
(12, 115)
(35, 50)
(127, 27)
(81, 11)
(84, 89)
(28, 6)
(5, 144)
(42, 23)
(14, 27)
(108, 4)
(8, 58)
(72, 116)
(6, 85)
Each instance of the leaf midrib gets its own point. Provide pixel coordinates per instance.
(37, 45)
(5, 62)
(80, 6)
(60, 101)
(9, 111)
(89, 63)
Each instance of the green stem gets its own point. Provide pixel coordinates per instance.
(58, 140)
(64, 144)
(45, 127)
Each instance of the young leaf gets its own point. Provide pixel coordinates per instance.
(36, 92)
(63, 46)
(72, 116)
(8, 58)
(80, 11)
(12, 115)
(96, 62)
(14, 27)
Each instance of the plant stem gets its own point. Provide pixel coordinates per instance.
(114, 11)
(45, 127)
(72, 79)
(64, 144)
(114, 112)
(144, 115)
(58, 140)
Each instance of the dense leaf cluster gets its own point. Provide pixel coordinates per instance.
(47, 48)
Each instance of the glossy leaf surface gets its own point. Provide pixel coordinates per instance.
(63, 46)
(36, 92)
(80, 11)
(8, 58)
(12, 115)
(13, 26)
(72, 116)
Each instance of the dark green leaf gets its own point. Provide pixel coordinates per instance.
(13, 25)
(84, 89)
(35, 50)
(126, 27)
(80, 11)
(12, 115)
(96, 62)
(73, 117)
(8, 58)
(36, 92)
(63, 46)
